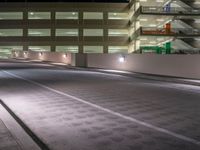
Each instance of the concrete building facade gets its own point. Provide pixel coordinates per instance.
(69, 27)
(138, 26)
(165, 26)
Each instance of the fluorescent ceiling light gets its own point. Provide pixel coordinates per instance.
(143, 0)
(160, 20)
(152, 8)
(152, 42)
(143, 19)
(160, 1)
(152, 25)
(35, 33)
(143, 39)
(70, 32)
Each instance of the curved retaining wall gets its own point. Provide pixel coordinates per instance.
(187, 66)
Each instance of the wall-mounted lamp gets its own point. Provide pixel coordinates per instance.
(16, 53)
(122, 59)
(64, 55)
(40, 54)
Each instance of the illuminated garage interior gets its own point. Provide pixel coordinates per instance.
(140, 26)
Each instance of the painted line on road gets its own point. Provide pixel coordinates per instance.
(159, 129)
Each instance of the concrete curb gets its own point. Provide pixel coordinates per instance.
(33, 136)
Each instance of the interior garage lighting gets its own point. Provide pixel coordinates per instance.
(160, 20)
(143, 19)
(121, 59)
(160, 1)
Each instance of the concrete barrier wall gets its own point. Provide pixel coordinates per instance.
(57, 57)
(171, 65)
(187, 66)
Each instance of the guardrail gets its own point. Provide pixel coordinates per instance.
(163, 31)
(172, 10)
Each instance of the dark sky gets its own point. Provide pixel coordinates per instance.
(110, 1)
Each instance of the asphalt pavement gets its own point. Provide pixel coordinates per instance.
(71, 109)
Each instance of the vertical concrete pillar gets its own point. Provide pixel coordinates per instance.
(105, 48)
(80, 16)
(137, 26)
(25, 29)
(105, 32)
(105, 17)
(80, 49)
(81, 22)
(53, 31)
(131, 48)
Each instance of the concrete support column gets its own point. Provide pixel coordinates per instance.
(80, 30)
(80, 17)
(80, 49)
(25, 47)
(105, 17)
(105, 33)
(137, 26)
(53, 31)
(25, 29)
(81, 22)
(131, 48)
(105, 49)
(137, 45)
(53, 48)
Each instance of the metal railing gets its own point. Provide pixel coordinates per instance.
(172, 10)
(173, 31)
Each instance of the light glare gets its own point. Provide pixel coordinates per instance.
(121, 59)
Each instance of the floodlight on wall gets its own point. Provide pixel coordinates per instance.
(64, 55)
(16, 53)
(121, 59)
(31, 13)
(40, 54)
(25, 54)
(73, 13)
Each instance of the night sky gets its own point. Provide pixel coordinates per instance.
(107, 1)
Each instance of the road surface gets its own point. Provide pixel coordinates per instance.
(72, 109)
